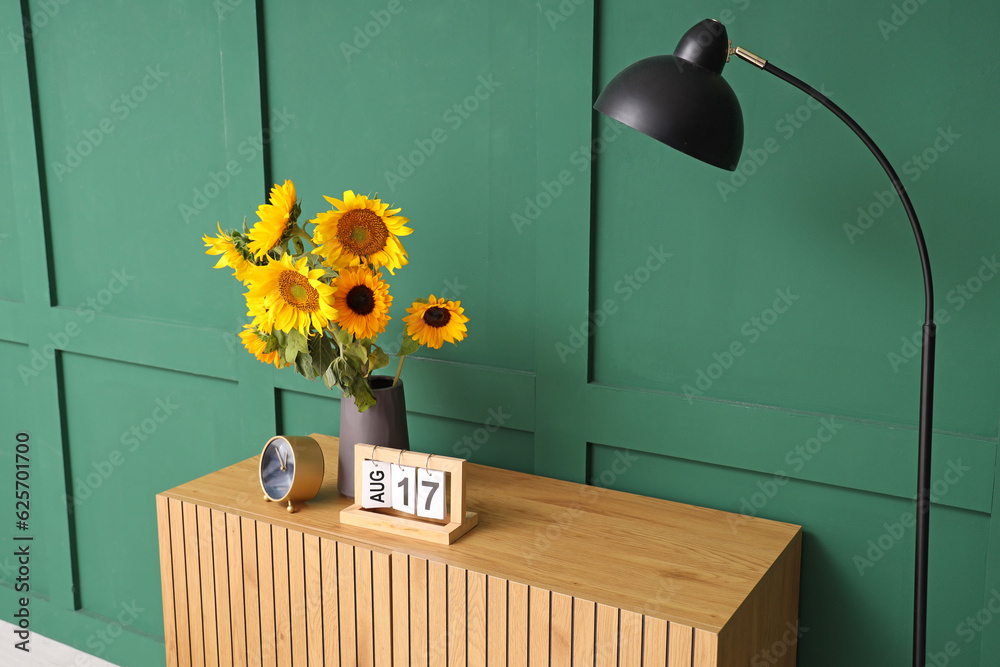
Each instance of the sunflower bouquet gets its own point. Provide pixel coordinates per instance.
(319, 301)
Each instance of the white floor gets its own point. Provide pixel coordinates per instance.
(44, 652)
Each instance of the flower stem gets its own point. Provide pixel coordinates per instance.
(399, 369)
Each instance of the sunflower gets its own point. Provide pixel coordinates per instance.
(436, 321)
(362, 301)
(224, 245)
(288, 296)
(274, 218)
(255, 342)
(359, 230)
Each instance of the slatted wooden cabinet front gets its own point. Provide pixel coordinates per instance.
(238, 591)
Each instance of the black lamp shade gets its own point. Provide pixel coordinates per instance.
(682, 100)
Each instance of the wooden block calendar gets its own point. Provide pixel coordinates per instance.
(427, 494)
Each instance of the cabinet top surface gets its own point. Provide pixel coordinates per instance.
(678, 562)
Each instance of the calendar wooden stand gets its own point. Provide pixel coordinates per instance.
(458, 522)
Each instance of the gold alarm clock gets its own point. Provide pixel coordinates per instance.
(291, 469)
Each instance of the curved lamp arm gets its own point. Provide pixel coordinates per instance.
(927, 360)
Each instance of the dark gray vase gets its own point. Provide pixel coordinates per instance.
(382, 424)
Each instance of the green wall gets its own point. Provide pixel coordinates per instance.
(608, 278)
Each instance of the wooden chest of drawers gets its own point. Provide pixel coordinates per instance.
(556, 573)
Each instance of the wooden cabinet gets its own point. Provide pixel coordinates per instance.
(556, 573)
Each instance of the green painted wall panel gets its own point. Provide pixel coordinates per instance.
(10, 258)
(134, 431)
(857, 558)
(118, 91)
(434, 112)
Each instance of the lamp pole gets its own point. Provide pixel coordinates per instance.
(926, 362)
(683, 101)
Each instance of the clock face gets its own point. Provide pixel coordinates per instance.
(277, 469)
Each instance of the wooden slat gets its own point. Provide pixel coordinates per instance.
(220, 575)
(237, 608)
(382, 608)
(457, 617)
(476, 615)
(345, 587)
(363, 605)
(629, 639)
(584, 640)
(437, 614)
(539, 602)
(561, 647)
(206, 562)
(331, 604)
(679, 649)
(496, 622)
(251, 595)
(167, 579)
(281, 595)
(400, 610)
(606, 647)
(180, 582)
(517, 625)
(298, 607)
(195, 624)
(418, 612)
(314, 600)
(655, 642)
(266, 591)
(706, 649)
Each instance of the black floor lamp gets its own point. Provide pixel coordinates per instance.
(683, 101)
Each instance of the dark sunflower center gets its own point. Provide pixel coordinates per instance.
(297, 292)
(361, 299)
(436, 317)
(362, 232)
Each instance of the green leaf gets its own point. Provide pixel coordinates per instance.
(322, 354)
(343, 337)
(297, 341)
(363, 396)
(304, 366)
(408, 346)
(358, 353)
(330, 378)
(377, 359)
